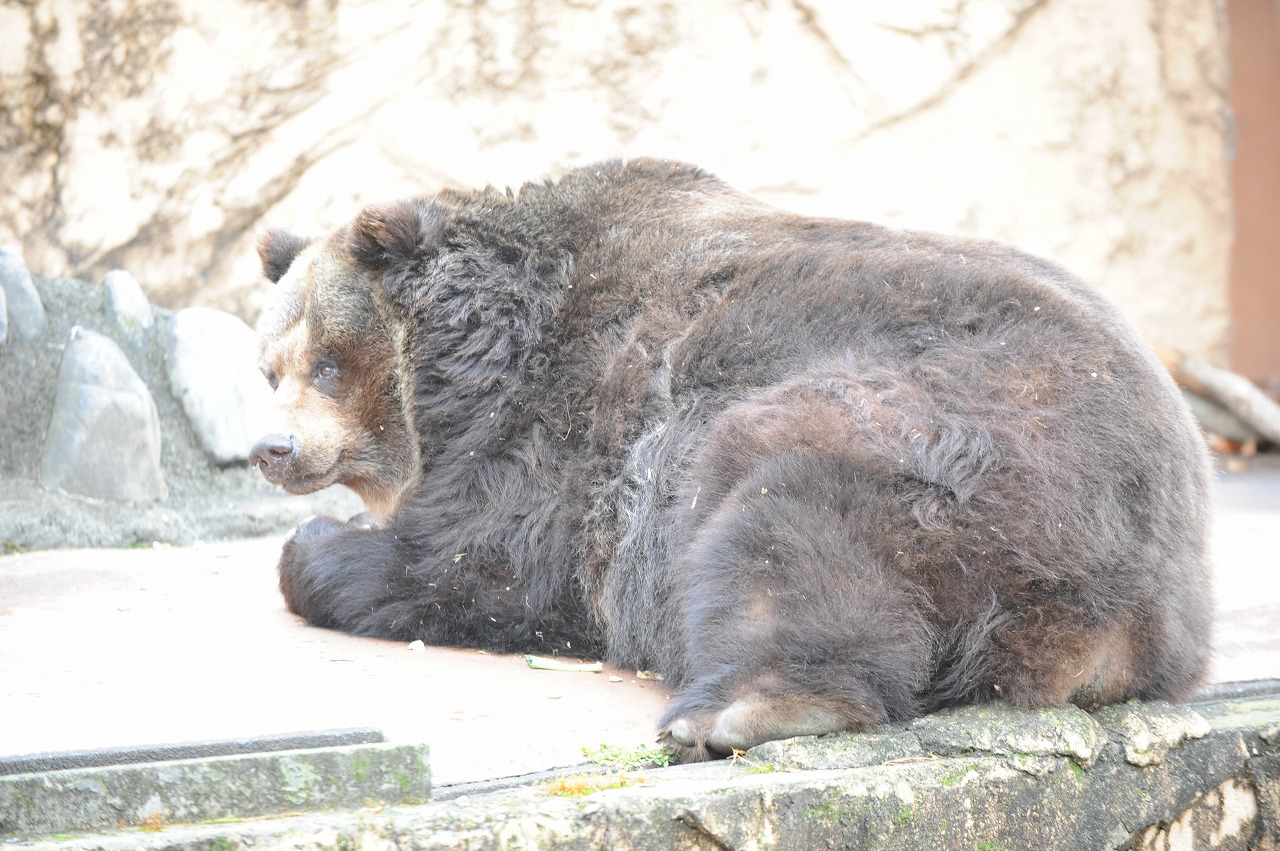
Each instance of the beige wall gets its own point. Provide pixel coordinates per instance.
(157, 134)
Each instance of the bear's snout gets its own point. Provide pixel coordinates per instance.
(273, 455)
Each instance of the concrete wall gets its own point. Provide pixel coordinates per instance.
(155, 135)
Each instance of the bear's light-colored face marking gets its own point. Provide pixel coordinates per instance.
(327, 348)
(311, 418)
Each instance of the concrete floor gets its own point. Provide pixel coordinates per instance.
(116, 647)
(1246, 554)
(106, 648)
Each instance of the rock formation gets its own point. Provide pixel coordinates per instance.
(156, 135)
(113, 433)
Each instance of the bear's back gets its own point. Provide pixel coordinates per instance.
(1012, 428)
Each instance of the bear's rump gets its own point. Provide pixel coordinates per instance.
(995, 567)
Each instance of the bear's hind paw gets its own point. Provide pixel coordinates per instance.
(748, 722)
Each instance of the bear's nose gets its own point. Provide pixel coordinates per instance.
(272, 450)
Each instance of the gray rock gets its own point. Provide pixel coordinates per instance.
(4, 318)
(842, 750)
(998, 728)
(205, 501)
(103, 439)
(127, 308)
(25, 308)
(1149, 731)
(211, 361)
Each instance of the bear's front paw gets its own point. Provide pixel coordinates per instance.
(315, 528)
(298, 552)
(363, 520)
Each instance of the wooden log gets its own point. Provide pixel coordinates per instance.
(1217, 420)
(1232, 391)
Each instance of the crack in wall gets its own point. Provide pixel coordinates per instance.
(995, 48)
(811, 24)
(691, 820)
(947, 33)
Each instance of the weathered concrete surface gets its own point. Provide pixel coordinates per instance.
(106, 648)
(156, 135)
(1216, 787)
(100, 757)
(998, 729)
(1245, 543)
(243, 786)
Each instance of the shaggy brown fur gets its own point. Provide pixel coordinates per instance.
(820, 474)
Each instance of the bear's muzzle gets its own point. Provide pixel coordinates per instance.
(274, 456)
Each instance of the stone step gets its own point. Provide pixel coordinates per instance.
(209, 782)
(103, 757)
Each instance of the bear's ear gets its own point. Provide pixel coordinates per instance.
(278, 248)
(386, 234)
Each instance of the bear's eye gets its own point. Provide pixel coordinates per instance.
(325, 377)
(272, 378)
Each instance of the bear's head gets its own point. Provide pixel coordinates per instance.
(332, 349)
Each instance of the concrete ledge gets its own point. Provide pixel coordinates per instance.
(154, 794)
(40, 762)
(1138, 776)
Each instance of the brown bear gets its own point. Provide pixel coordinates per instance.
(820, 474)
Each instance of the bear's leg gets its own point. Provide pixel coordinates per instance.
(1050, 652)
(377, 582)
(792, 627)
(314, 575)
